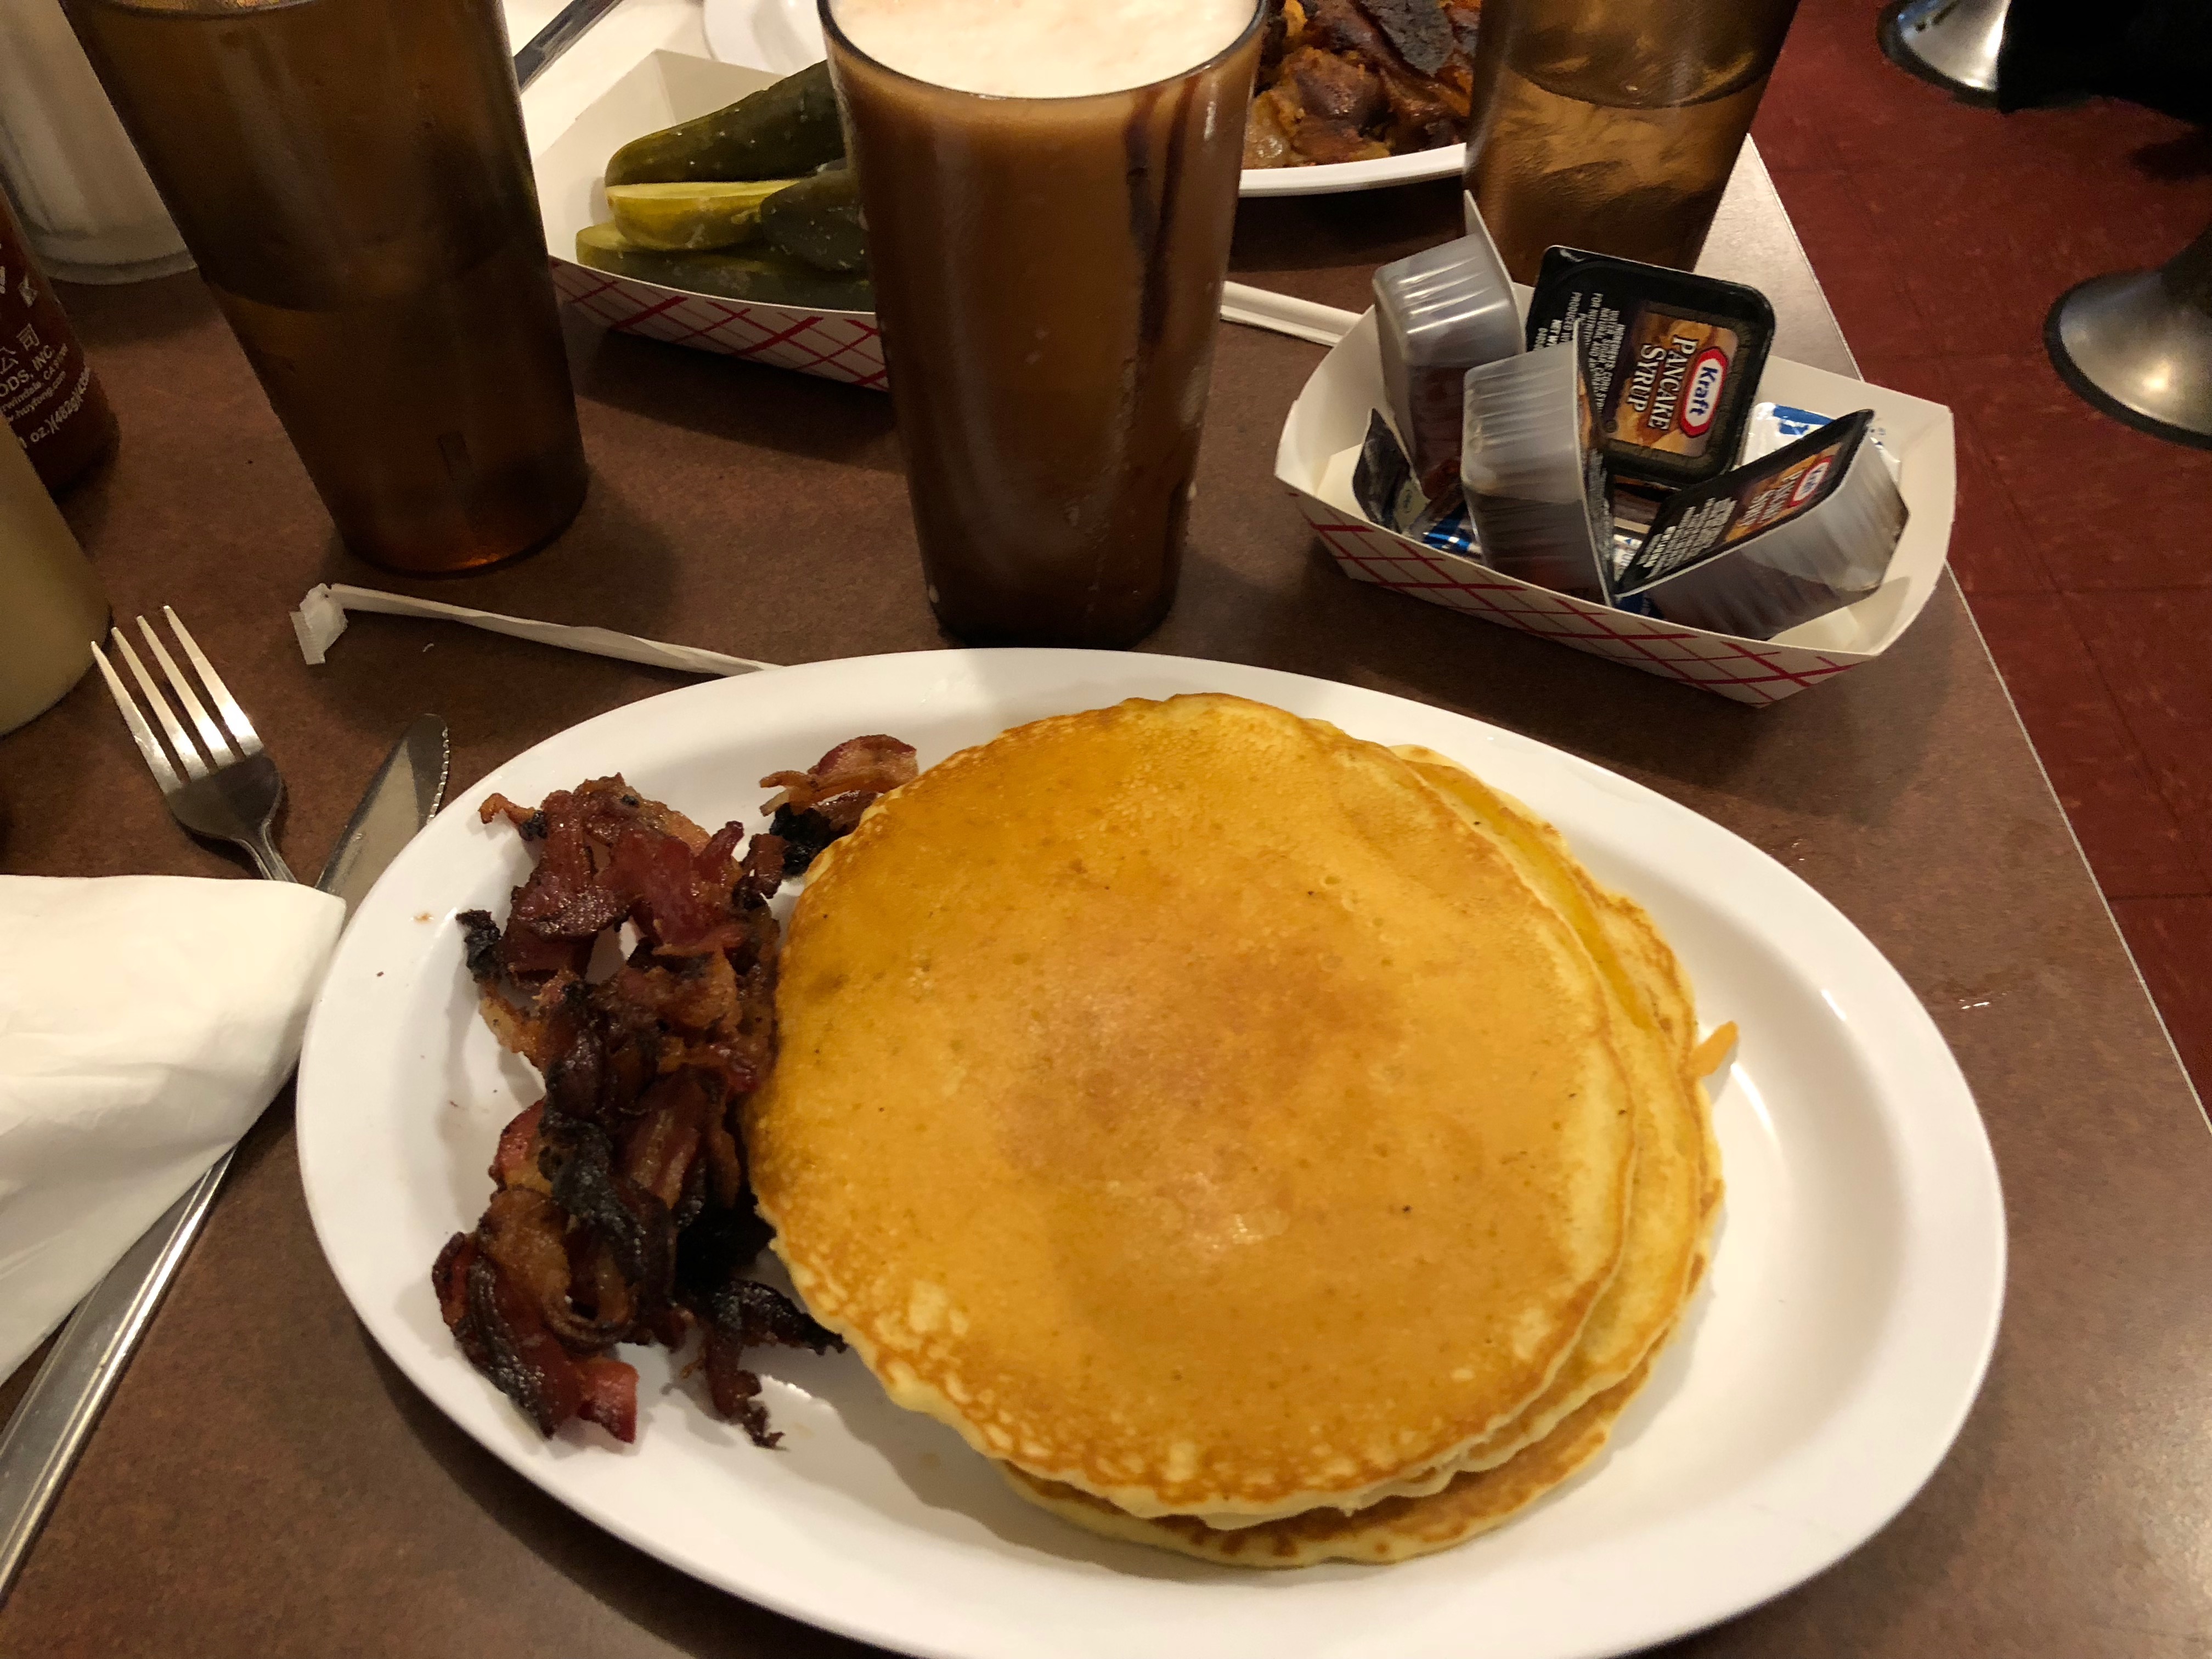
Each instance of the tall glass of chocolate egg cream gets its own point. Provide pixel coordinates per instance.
(1049, 195)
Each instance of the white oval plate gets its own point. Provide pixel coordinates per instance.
(1822, 1373)
(786, 36)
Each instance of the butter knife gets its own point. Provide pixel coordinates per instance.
(58, 1412)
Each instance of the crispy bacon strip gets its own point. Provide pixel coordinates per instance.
(874, 766)
(609, 1391)
(621, 1211)
(503, 1338)
(1351, 80)
(514, 1162)
(745, 1313)
(814, 807)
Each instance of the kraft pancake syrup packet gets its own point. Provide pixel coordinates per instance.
(1438, 314)
(1779, 541)
(1674, 360)
(1533, 474)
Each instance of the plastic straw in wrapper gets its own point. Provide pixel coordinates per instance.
(321, 619)
(1535, 482)
(1438, 314)
(1777, 542)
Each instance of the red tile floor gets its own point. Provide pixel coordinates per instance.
(1943, 233)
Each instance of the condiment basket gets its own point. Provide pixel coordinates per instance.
(1321, 444)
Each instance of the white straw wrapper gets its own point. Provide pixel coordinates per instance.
(1301, 320)
(321, 619)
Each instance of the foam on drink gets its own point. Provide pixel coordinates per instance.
(1041, 48)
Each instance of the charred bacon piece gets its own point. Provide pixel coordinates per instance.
(746, 1313)
(1417, 28)
(503, 1337)
(621, 1210)
(481, 950)
(1356, 80)
(630, 1223)
(825, 801)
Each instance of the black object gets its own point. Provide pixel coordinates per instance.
(1382, 478)
(2154, 52)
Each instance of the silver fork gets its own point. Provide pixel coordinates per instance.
(230, 791)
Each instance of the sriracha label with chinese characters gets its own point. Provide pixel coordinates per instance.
(49, 395)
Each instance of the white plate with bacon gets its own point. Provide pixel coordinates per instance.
(1831, 1356)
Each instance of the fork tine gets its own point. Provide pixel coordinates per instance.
(149, 745)
(179, 739)
(218, 751)
(241, 729)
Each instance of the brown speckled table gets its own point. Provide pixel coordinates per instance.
(265, 1483)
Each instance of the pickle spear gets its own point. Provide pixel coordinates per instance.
(764, 276)
(818, 220)
(691, 217)
(782, 132)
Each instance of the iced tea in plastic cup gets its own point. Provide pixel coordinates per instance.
(351, 176)
(1613, 124)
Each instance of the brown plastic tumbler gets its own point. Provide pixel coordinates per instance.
(352, 177)
(1047, 275)
(1613, 124)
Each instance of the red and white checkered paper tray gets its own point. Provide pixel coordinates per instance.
(1321, 444)
(665, 88)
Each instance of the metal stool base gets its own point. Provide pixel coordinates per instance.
(2133, 348)
(1952, 43)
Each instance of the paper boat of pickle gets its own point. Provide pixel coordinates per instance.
(1320, 443)
(665, 88)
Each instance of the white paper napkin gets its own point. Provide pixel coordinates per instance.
(145, 1021)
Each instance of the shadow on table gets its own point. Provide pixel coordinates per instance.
(730, 398)
(678, 1609)
(107, 315)
(1277, 236)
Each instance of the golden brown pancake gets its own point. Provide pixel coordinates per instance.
(1191, 1105)
(1676, 1176)
(1394, 1529)
(1674, 1197)
(1656, 1032)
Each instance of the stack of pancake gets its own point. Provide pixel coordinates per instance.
(1262, 1143)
